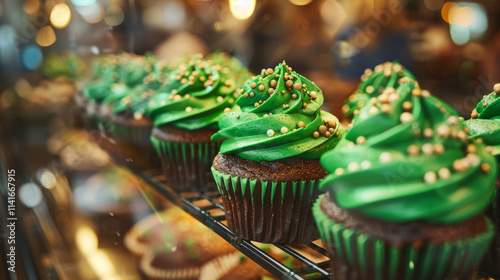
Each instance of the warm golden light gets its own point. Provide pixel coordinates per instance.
(92, 13)
(242, 9)
(300, 2)
(114, 16)
(453, 13)
(86, 240)
(31, 6)
(60, 15)
(45, 36)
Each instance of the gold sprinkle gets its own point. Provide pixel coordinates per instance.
(356, 112)
(297, 86)
(227, 110)
(430, 177)
(313, 94)
(289, 83)
(332, 124)
(386, 108)
(369, 89)
(237, 116)
(407, 106)
(253, 85)
(189, 109)
(322, 129)
(252, 94)
(245, 95)
(485, 104)
(337, 134)
(270, 90)
(315, 134)
(301, 124)
(416, 92)
(428, 133)
(294, 96)
(256, 104)
(439, 148)
(444, 173)
(471, 148)
(262, 87)
(485, 167)
(413, 150)
(496, 88)
(273, 83)
(269, 71)
(360, 140)
(304, 105)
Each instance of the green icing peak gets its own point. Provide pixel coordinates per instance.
(407, 158)
(485, 121)
(281, 118)
(194, 96)
(374, 82)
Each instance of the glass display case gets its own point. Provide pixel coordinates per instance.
(76, 206)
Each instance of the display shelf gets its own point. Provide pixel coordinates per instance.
(186, 201)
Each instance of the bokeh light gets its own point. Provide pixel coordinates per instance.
(300, 2)
(82, 2)
(32, 57)
(453, 13)
(45, 36)
(242, 9)
(114, 16)
(173, 14)
(334, 15)
(92, 13)
(31, 6)
(60, 16)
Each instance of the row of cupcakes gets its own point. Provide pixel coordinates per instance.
(405, 189)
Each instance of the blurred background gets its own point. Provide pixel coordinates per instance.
(452, 47)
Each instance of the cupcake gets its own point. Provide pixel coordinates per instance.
(484, 125)
(405, 193)
(173, 245)
(385, 76)
(185, 116)
(268, 167)
(239, 266)
(113, 199)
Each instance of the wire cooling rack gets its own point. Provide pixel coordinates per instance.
(308, 269)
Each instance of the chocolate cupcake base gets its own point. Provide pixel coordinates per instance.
(186, 158)
(133, 139)
(356, 254)
(264, 206)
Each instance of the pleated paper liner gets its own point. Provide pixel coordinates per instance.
(187, 165)
(355, 255)
(133, 141)
(491, 262)
(268, 212)
(157, 273)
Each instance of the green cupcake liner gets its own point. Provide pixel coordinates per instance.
(187, 165)
(133, 142)
(266, 211)
(491, 261)
(357, 255)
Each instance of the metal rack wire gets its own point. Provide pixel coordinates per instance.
(309, 270)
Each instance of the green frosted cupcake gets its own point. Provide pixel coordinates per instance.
(484, 124)
(111, 74)
(405, 193)
(268, 169)
(185, 116)
(384, 77)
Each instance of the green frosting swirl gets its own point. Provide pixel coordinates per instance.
(193, 96)
(125, 69)
(281, 118)
(374, 83)
(485, 122)
(412, 161)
